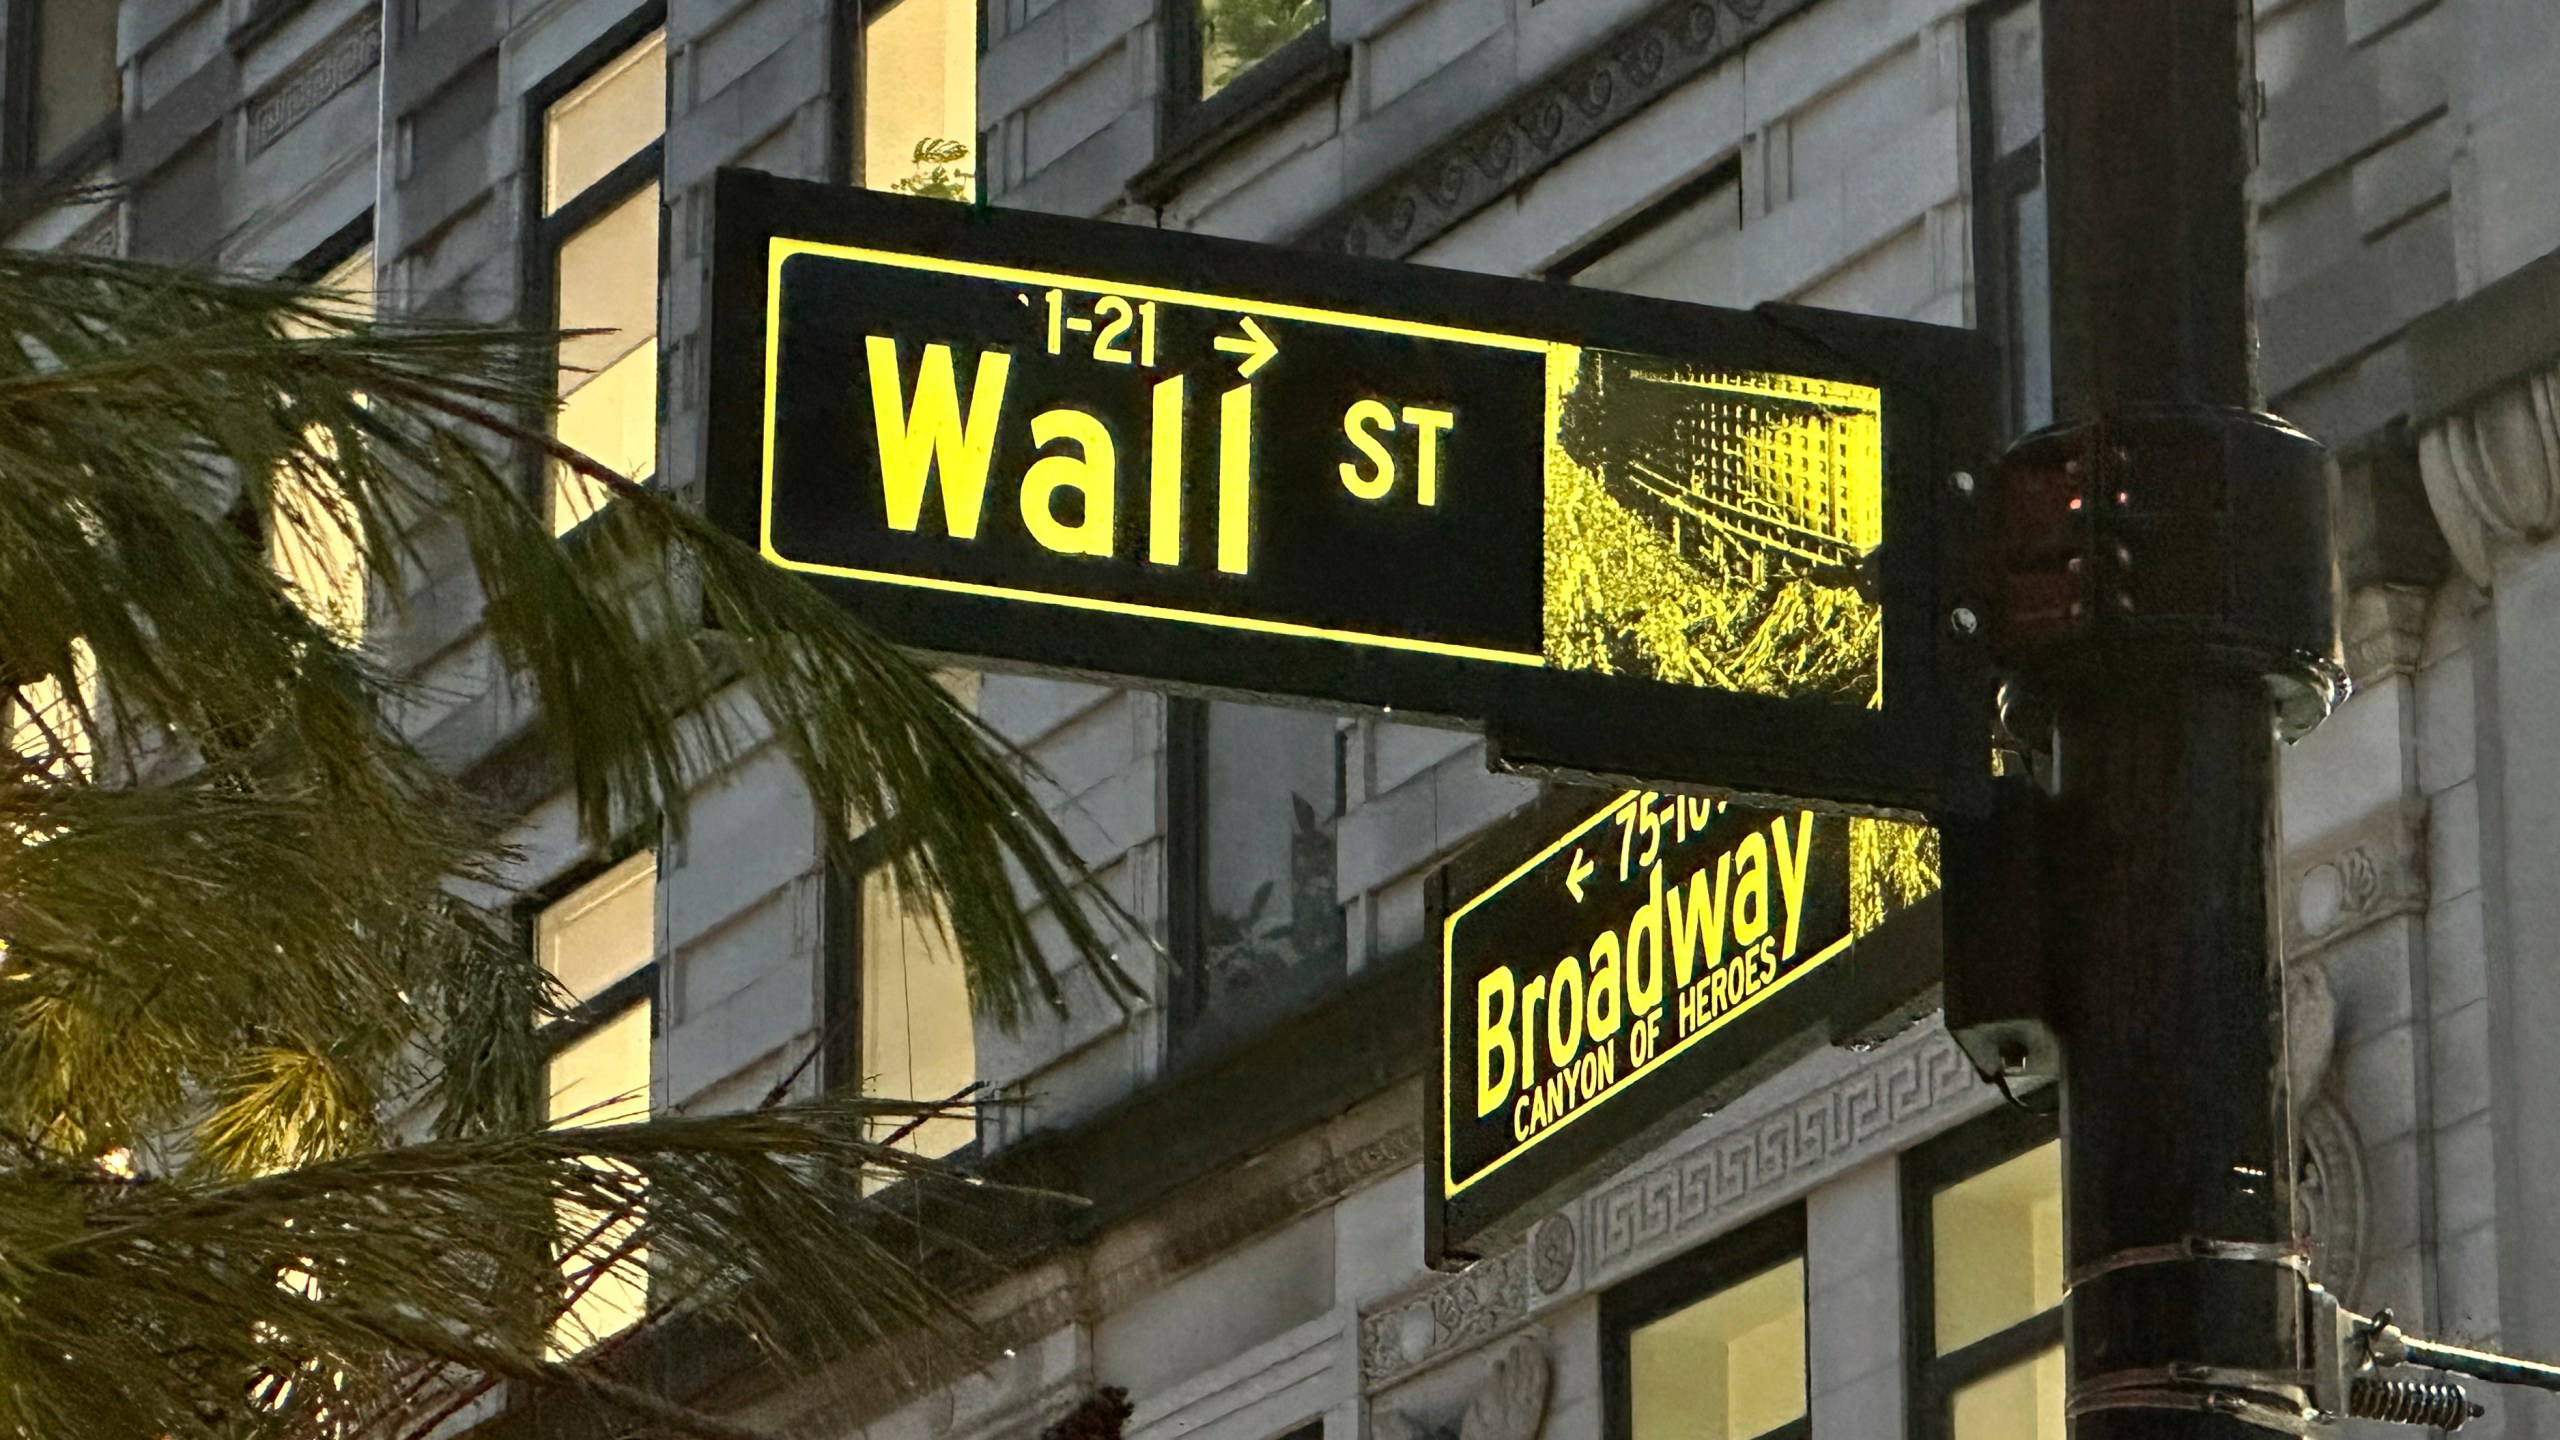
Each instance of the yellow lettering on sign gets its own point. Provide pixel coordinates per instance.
(1164, 474)
(1493, 1037)
(935, 432)
(1361, 424)
(1093, 472)
(1426, 465)
(1235, 480)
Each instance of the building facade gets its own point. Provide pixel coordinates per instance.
(1866, 1245)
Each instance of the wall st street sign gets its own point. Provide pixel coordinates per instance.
(1626, 538)
(1610, 960)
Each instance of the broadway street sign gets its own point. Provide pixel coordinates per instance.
(1610, 960)
(1626, 538)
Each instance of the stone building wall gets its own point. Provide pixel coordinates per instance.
(2409, 250)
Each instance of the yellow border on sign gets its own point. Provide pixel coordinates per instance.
(782, 250)
(1450, 1185)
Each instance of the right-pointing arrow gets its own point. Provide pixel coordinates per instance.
(1253, 345)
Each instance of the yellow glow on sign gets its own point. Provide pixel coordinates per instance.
(1753, 891)
(936, 427)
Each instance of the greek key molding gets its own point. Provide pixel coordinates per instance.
(1595, 91)
(332, 66)
(1835, 1111)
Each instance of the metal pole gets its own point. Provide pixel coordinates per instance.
(2198, 588)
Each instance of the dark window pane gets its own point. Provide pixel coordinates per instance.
(2017, 78)
(76, 83)
(2031, 310)
(1270, 927)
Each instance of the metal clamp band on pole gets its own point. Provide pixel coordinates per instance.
(2269, 1401)
(2294, 1255)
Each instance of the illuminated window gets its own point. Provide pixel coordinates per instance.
(1686, 246)
(1983, 1220)
(2012, 268)
(67, 76)
(600, 943)
(912, 1035)
(311, 539)
(599, 226)
(912, 68)
(48, 735)
(1712, 1346)
(1256, 794)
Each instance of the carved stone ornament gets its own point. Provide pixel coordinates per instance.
(2493, 473)
(1602, 86)
(1771, 1146)
(2329, 1195)
(2367, 874)
(1551, 1254)
(1511, 1404)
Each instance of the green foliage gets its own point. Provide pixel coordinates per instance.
(934, 178)
(269, 1078)
(1236, 33)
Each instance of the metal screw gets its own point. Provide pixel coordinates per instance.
(1963, 621)
(1962, 483)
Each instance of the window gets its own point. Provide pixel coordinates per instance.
(65, 82)
(2012, 274)
(1225, 61)
(898, 1022)
(311, 542)
(1255, 792)
(48, 734)
(1686, 246)
(600, 943)
(597, 234)
(1711, 1346)
(910, 70)
(1983, 1227)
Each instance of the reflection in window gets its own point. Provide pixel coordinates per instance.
(312, 538)
(604, 258)
(1261, 789)
(77, 86)
(918, 1039)
(916, 111)
(1237, 34)
(598, 942)
(1728, 1367)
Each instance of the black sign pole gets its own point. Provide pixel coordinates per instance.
(2167, 580)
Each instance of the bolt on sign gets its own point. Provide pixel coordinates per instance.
(1611, 959)
(1137, 454)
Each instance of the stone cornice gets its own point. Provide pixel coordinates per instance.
(1834, 1111)
(2492, 472)
(1660, 51)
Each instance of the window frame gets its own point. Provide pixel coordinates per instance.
(840, 965)
(538, 261)
(1674, 1285)
(591, 1014)
(846, 23)
(1189, 1036)
(25, 177)
(1930, 1379)
(1653, 215)
(1998, 183)
(1192, 128)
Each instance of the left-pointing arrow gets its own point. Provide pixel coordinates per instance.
(1253, 345)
